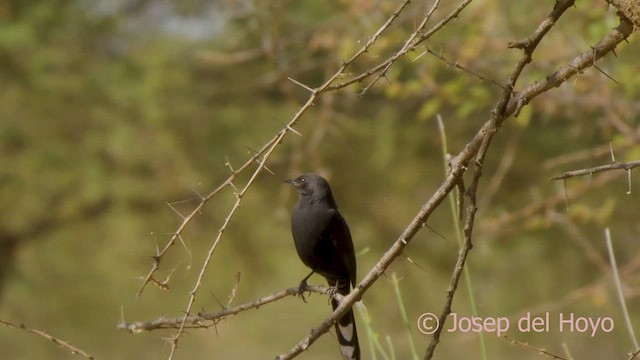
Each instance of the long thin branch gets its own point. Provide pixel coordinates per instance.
(187, 219)
(457, 65)
(408, 43)
(576, 66)
(539, 351)
(613, 166)
(418, 39)
(206, 320)
(55, 340)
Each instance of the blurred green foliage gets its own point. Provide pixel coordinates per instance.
(110, 109)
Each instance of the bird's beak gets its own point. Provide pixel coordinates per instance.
(290, 182)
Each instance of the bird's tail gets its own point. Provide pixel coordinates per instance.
(346, 327)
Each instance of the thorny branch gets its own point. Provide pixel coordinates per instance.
(457, 65)
(613, 166)
(576, 66)
(539, 351)
(408, 46)
(206, 320)
(408, 43)
(55, 340)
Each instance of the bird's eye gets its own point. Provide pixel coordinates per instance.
(302, 180)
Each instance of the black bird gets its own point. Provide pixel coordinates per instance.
(324, 244)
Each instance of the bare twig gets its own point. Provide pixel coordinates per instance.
(577, 65)
(55, 340)
(408, 43)
(206, 320)
(590, 171)
(234, 291)
(457, 65)
(408, 46)
(539, 351)
(187, 219)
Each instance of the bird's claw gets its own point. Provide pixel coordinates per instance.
(302, 288)
(332, 291)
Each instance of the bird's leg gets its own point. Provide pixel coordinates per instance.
(303, 286)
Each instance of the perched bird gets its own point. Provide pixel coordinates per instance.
(324, 244)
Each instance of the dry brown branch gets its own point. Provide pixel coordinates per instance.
(418, 39)
(576, 66)
(206, 320)
(55, 340)
(187, 219)
(408, 43)
(590, 171)
(455, 64)
(539, 351)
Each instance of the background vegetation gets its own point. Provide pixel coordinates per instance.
(111, 109)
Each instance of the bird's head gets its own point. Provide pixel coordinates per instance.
(311, 185)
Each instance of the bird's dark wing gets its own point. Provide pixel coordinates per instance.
(341, 237)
